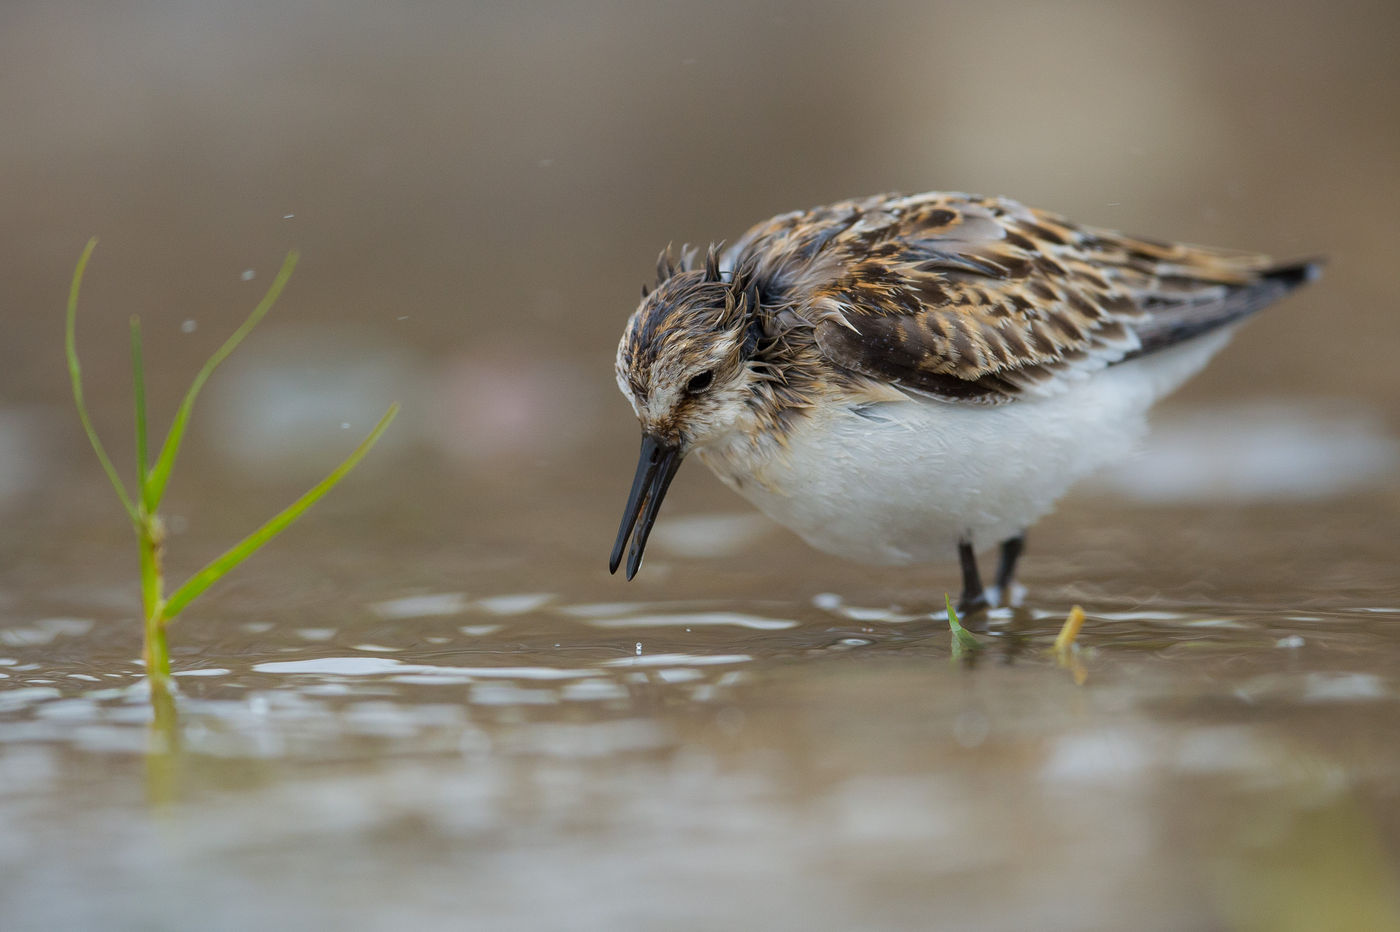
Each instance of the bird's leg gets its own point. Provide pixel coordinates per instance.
(973, 597)
(1002, 589)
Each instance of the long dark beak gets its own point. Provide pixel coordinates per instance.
(656, 467)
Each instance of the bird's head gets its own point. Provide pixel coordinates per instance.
(685, 364)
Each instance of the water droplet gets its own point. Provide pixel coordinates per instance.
(639, 648)
(288, 216)
(248, 275)
(189, 326)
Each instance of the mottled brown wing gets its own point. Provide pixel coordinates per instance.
(984, 300)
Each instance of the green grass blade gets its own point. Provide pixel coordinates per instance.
(160, 473)
(245, 548)
(75, 373)
(963, 640)
(138, 379)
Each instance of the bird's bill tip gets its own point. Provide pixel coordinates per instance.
(657, 463)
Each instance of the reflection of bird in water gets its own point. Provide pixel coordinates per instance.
(905, 379)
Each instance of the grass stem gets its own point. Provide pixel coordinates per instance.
(245, 548)
(75, 375)
(138, 387)
(152, 479)
(964, 642)
(165, 462)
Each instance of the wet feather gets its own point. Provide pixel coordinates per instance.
(966, 299)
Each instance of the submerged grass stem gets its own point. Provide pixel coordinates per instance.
(964, 642)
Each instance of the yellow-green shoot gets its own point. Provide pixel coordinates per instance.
(143, 506)
(964, 643)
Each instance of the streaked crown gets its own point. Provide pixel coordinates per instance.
(683, 355)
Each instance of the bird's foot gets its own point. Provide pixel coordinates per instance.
(971, 604)
(1012, 599)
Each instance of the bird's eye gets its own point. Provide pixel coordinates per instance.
(698, 383)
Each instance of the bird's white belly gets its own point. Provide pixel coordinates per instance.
(904, 481)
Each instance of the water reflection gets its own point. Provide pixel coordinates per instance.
(780, 765)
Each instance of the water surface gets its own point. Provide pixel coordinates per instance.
(758, 722)
(429, 706)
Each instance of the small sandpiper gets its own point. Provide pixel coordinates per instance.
(902, 379)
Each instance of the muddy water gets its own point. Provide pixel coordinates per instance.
(429, 706)
(747, 735)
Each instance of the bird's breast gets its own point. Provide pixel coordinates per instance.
(903, 481)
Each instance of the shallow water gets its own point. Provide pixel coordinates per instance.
(756, 735)
(429, 706)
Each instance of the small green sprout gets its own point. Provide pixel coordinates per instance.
(964, 644)
(143, 506)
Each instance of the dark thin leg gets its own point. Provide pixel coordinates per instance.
(1011, 549)
(973, 597)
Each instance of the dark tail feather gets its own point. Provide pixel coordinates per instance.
(1296, 274)
(1174, 321)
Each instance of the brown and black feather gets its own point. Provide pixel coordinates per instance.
(983, 300)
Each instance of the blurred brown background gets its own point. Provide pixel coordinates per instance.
(477, 190)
